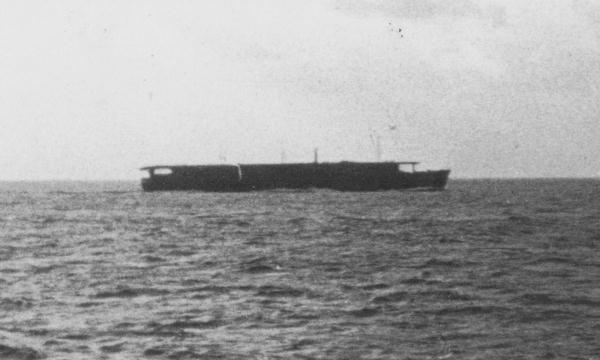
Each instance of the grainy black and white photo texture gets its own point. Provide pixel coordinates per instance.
(332, 179)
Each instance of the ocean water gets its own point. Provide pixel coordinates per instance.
(488, 269)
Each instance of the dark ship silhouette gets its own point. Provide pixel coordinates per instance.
(342, 176)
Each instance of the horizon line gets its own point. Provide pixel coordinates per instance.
(450, 179)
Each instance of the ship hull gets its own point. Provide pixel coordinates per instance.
(343, 176)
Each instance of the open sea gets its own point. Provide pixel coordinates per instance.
(488, 269)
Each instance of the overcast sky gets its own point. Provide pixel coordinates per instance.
(97, 89)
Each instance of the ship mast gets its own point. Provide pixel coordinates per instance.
(376, 142)
(283, 156)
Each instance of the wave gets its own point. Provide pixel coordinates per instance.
(115, 348)
(365, 312)
(153, 259)
(554, 260)
(88, 304)
(155, 351)
(415, 281)
(119, 192)
(185, 354)
(8, 304)
(45, 269)
(216, 289)
(548, 299)
(376, 286)
(435, 262)
(19, 353)
(529, 316)
(446, 295)
(82, 336)
(187, 324)
(391, 297)
(53, 342)
(520, 219)
(454, 336)
(260, 268)
(280, 291)
(469, 310)
(181, 274)
(299, 344)
(259, 265)
(431, 295)
(130, 292)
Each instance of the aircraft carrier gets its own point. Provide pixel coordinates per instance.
(341, 176)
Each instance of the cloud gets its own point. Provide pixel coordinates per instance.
(476, 79)
(426, 9)
(590, 9)
(409, 8)
(525, 70)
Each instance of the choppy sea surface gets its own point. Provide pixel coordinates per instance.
(488, 269)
